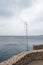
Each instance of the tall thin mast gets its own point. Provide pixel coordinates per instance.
(26, 34)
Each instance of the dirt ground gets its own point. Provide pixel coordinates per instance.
(36, 63)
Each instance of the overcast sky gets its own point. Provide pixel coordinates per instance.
(14, 13)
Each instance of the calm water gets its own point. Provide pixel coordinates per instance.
(11, 45)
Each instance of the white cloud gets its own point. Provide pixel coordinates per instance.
(23, 10)
(34, 16)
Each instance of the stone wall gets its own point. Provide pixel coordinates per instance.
(24, 58)
(36, 47)
(30, 57)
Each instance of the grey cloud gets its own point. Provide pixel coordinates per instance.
(6, 8)
(11, 7)
(23, 3)
(39, 19)
(39, 32)
(2, 25)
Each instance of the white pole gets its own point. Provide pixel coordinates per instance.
(26, 34)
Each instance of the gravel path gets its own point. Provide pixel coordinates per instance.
(36, 63)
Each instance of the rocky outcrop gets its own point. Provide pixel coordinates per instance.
(24, 58)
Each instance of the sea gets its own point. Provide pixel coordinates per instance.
(12, 45)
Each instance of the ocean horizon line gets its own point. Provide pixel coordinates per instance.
(20, 35)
